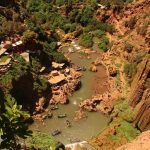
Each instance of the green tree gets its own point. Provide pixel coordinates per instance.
(12, 126)
(86, 40)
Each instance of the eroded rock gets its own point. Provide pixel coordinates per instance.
(100, 103)
(80, 115)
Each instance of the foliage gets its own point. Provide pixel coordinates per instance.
(43, 141)
(12, 125)
(130, 69)
(19, 68)
(36, 64)
(99, 33)
(125, 130)
(69, 27)
(28, 36)
(86, 40)
(125, 111)
(86, 16)
(53, 54)
(40, 86)
(104, 44)
(128, 47)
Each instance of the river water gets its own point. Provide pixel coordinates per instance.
(95, 122)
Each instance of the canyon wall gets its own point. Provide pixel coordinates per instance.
(140, 95)
(137, 86)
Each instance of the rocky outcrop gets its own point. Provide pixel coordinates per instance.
(100, 103)
(71, 83)
(93, 68)
(79, 115)
(142, 119)
(137, 86)
(112, 71)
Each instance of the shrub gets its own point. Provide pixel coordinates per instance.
(104, 44)
(69, 27)
(99, 33)
(130, 69)
(131, 23)
(59, 57)
(127, 130)
(42, 141)
(86, 40)
(89, 28)
(128, 47)
(86, 16)
(36, 65)
(104, 27)
(12, 126)
(125, 110)
(28, 35)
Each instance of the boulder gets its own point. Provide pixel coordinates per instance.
(60, 98)
(101, 103)
(112, 71)
(93, 68)
(80, 115)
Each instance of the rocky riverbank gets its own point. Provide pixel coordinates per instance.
(63, 83)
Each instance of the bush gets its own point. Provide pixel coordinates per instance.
(104, 44)
(104, 27)
(42, 141)
(86, 40)
(125, 110)
(36, 65)
(89, 28)
(127, 130)
(28, 36)
(86, 16)
(128, 47)
(59, 57)
(130, 69)
(69, 27)
(131, 23)
(12, 125)
(99, 33)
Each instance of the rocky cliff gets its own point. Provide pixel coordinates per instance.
(142, 119)
(137, 86)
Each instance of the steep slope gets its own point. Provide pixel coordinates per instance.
(142, 142)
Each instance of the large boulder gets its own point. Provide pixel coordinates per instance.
(79, 115)
(93, 68)
(101, 103)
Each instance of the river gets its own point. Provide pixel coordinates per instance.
(95, 122)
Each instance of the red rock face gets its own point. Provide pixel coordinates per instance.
(137, 87)
(141, 97)
(142, 119)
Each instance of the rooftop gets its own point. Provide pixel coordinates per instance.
(56, 77)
